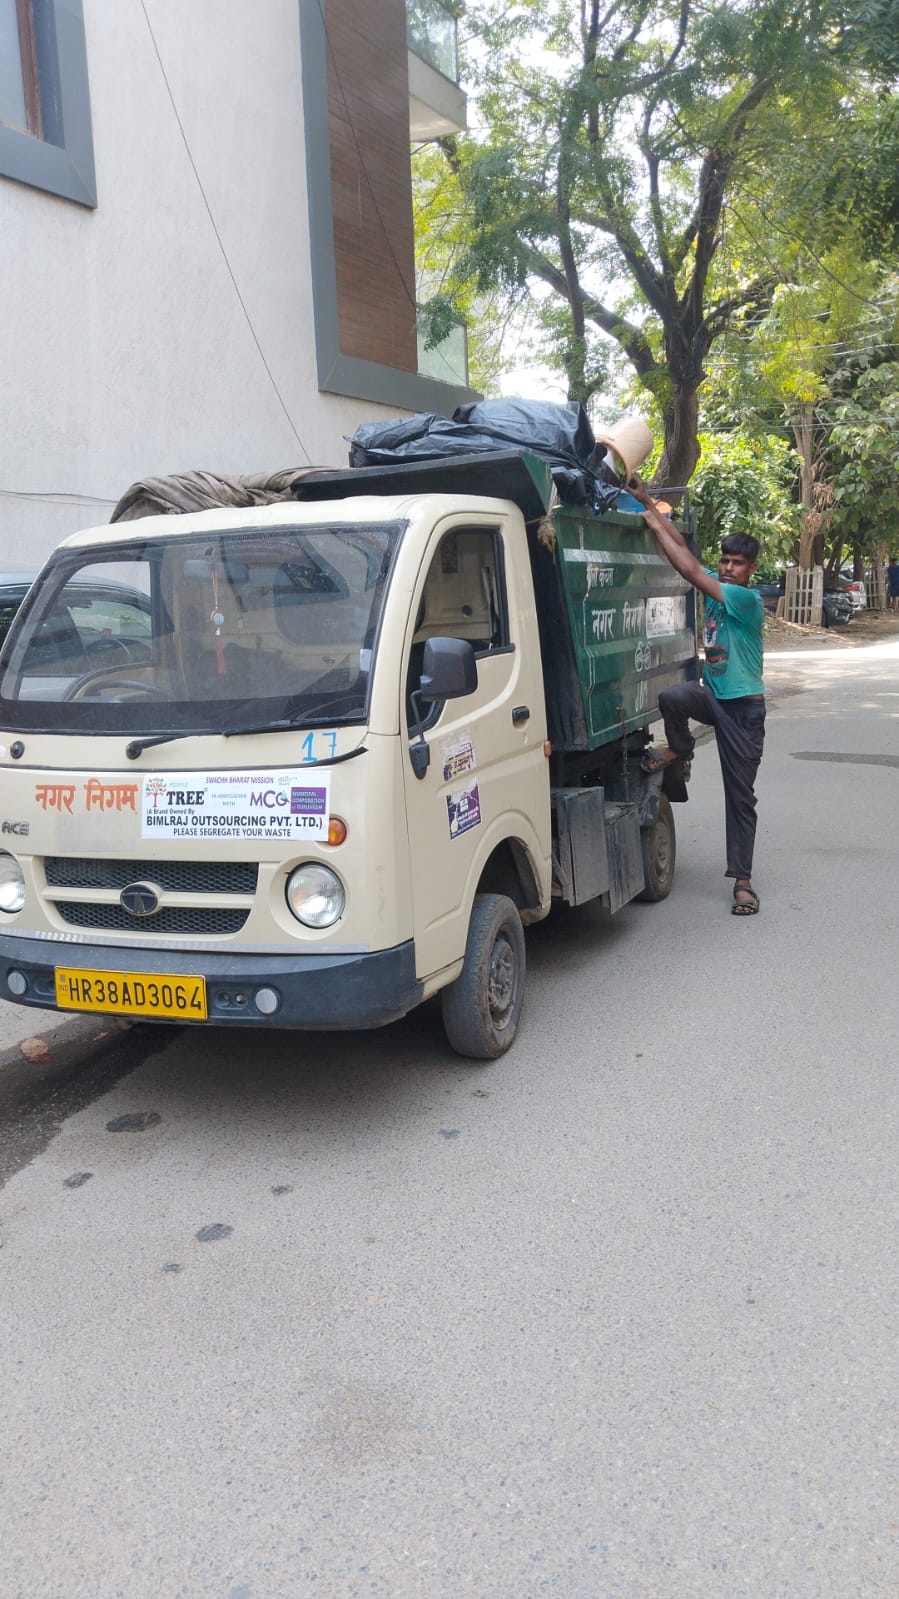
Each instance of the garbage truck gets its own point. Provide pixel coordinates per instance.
(307, 764)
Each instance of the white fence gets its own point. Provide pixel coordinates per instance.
(804, 595)
(875, 588)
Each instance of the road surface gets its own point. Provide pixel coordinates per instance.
(612, 1318)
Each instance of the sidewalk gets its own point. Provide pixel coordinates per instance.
(866, 627)
(19, 1023)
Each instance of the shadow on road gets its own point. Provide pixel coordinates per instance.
(218, 1073)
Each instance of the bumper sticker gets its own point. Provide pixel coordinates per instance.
(264, 804)
(457, 756)
(464, 809)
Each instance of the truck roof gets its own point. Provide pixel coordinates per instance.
(515, 475)
(363, 509)
(365, 494)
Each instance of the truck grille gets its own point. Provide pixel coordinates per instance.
(171, 919)
(176, 877)
(179, 879)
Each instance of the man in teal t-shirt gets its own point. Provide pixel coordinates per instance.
(732, 697)
(732, 635)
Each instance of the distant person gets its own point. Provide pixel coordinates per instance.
(893, 583)
(732, 697)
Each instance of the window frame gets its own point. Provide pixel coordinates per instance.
(28, 74)
(58, 155)
(502, 619)
(338, 373)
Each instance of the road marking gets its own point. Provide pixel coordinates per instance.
(850, 760)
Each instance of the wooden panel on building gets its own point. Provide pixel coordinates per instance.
(371, 181)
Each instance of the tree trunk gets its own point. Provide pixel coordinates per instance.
(680, 452)
(879, 583)
(804, 436)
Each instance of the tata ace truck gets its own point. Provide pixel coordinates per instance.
(306, 765)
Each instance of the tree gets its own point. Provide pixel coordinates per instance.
(493, 317)
(744, 484)
(811, 367)
(863, 447)
(650, 171)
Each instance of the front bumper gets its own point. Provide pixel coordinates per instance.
(324, 992)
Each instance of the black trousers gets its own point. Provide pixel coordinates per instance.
(740, 735)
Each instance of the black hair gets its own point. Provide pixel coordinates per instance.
(740, 544)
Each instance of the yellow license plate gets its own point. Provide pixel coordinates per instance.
(131, 993)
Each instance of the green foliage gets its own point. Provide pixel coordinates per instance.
(834, 308)
(446, 296)
(651, 173)
(830, 344)
(746, 485)
(863, 446)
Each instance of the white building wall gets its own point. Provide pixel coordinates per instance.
(124, 347)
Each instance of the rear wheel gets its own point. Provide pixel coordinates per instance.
(481, 1008)
(659, 854)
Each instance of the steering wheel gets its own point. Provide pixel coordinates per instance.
(108, 646)
(76, 690)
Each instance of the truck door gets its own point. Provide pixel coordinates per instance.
(487, 777)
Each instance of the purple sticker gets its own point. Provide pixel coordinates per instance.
(464, 809)
(308, 801)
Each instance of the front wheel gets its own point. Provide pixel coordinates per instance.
(481, 1008)
(659, 854)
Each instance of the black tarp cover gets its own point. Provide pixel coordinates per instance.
(559, 434)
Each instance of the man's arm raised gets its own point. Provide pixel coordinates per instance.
(672, 543)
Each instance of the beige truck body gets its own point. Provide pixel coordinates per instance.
(415, 849)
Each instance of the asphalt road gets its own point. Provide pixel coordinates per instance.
(613, 1318)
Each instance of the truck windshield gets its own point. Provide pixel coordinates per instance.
(201, 634)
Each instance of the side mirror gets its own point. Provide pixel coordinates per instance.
(449, 669)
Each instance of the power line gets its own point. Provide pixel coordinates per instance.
(219, 239)
(56, 496)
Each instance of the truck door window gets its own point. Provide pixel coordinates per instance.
(464, 596)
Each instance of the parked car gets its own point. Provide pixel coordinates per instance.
(838, 606)
(92, 626)
(106, 616)
(837, 609)
(854, 587)
(771, 592)
(14, 585)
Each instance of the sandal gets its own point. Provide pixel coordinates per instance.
(750, 905)
(656, 760)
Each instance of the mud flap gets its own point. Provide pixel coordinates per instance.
(674, 782)
(625, 854)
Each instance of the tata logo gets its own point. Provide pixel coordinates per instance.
(20, 828)
(271, 798)
(140, 899)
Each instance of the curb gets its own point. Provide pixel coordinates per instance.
(65, 1039)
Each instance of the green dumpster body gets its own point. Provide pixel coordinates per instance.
(617, 625)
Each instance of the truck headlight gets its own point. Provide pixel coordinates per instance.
(12, 883)
(315, 895)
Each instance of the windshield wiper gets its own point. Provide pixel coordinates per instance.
(138, 745)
